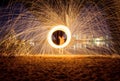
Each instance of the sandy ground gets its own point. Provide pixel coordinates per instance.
(60, 68)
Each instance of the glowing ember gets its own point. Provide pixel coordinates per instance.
(61, 28)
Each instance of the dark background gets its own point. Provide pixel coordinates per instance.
(4, 3)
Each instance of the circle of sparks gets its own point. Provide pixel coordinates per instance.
(61, 28)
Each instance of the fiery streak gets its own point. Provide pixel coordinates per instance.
(87, 22)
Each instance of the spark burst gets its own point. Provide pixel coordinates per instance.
(89, 22)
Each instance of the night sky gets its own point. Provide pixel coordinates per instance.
(4, 3)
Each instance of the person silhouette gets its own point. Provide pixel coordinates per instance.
(62, 40)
